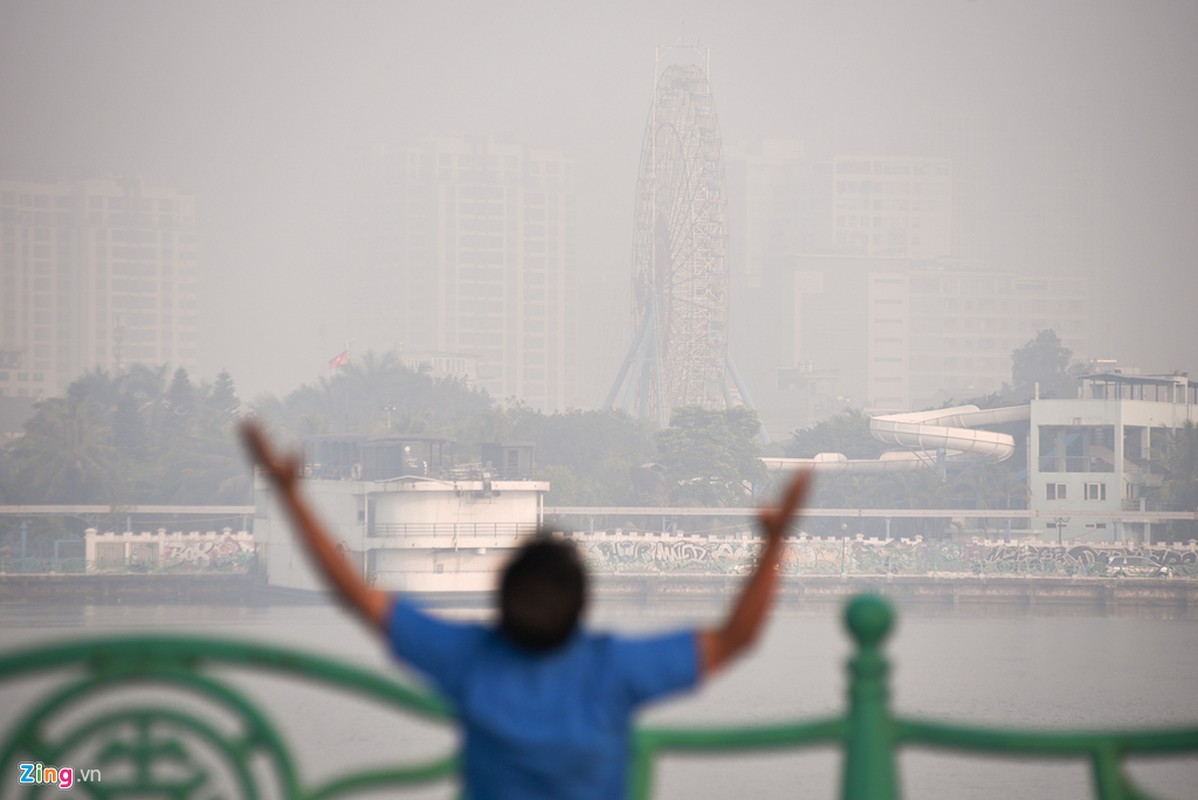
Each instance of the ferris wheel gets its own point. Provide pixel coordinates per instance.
(679, 352)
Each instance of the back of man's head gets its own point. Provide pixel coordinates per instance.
(542, 594)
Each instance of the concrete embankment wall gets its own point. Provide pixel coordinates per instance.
(200, 589)
(934, 590)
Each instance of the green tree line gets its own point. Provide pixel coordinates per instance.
(149, 437)
(144, 436)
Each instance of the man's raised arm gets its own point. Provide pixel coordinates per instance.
(717, 646)
(370, 603)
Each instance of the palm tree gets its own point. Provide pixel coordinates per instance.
(210, 470)
(147, 386)
(97, 386)
(66, 455)
(307, 410)
(364, 388)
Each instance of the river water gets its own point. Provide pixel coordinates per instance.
(975, 667)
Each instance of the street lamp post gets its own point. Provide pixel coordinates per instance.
(1061, 523)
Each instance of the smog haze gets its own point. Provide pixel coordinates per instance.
(1075, 123)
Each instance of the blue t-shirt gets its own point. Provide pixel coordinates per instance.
(553, 725)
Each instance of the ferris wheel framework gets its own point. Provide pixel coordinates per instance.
(679, 351)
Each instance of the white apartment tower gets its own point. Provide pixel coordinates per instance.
(467, 247)
(893, 206)
(93, 274)
(941, 332)
(779, 205)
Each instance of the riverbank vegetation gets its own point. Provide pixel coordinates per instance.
(151, 437)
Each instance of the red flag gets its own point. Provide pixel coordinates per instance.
(339, 360)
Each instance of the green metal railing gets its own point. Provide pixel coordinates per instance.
(130, 743)
(148, 747)
(871, 736)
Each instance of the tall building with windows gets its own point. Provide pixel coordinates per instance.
(890, 334)
(468, 247)
(892, 206)
(941, 332)
(808, 226)
(93, 274)
(874, 264)
(1111, 449)
(779, 205)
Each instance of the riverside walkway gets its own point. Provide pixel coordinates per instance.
(149, 747)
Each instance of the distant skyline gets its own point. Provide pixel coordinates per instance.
(97, 273)
(1085, 111)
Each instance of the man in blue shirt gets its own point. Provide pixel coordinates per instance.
(547, 708)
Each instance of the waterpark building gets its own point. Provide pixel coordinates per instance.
(1106, 451)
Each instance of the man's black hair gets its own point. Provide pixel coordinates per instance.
(542, 593)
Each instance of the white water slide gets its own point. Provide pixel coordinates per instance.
(925, 435)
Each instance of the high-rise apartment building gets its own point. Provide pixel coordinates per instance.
(892, 206)
(891, 334)
(807, 228)
(467, 247)
(93, 274)
(779, 204)
(941, 332)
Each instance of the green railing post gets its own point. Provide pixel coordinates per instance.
(869, 771)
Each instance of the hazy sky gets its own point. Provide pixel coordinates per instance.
(263, 109)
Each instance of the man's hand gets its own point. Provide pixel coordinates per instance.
(282, 468)
(776, 521)
(373, 605)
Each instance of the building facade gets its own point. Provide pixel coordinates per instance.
(809, 227)
(779, 204)
(892, 206)
(1107, 451)
(468, 248)
(942, 332)
(455, 366)
(94, 274)
(404, 514)
(888, 335)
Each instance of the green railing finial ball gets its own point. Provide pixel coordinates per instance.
(869, 619)
(869, 765)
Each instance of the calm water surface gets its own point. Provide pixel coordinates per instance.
(1010, 669)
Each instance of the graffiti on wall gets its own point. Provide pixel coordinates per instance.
(635, 556)
(649, 554)
(226, 551)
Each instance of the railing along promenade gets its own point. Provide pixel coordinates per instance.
(748, 513)
(150, 747)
